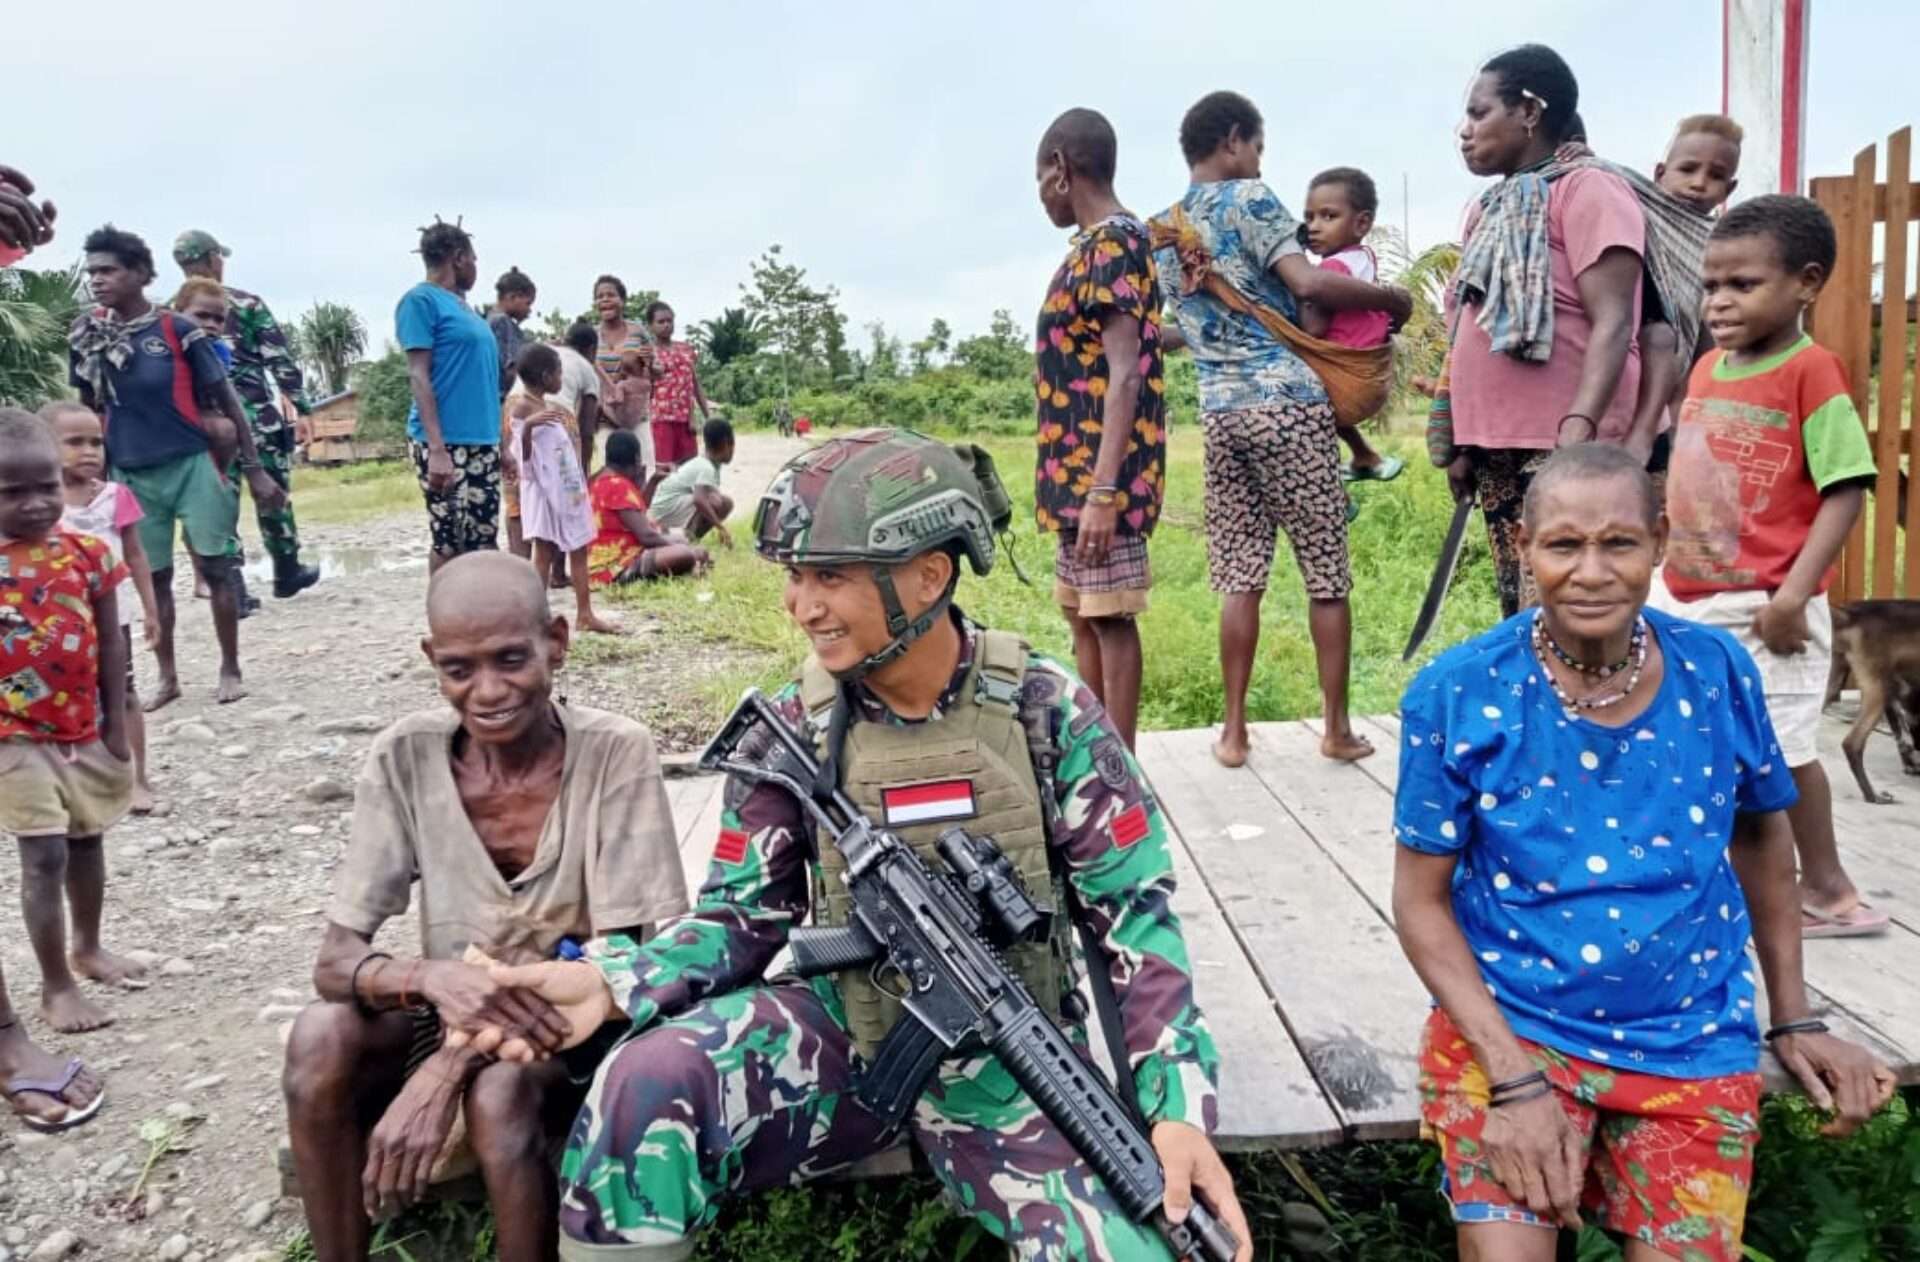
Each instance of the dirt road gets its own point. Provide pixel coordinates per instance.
(225, 893)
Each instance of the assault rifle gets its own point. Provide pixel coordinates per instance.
(934, 939)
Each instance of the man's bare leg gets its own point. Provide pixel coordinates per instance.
(86, 897)
(1119, 639)
(1239, 638)
(43, 904)
(510, 1110)
(1331, 624)
(342, 1071)
(1086, 654)
(21, 1057)
(168, 690)
(223, 575)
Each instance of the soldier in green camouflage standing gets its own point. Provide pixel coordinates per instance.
(263, 364)
(734, 1082)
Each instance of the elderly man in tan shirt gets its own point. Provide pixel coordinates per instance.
(526, 823)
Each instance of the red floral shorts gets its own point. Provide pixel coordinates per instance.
(1671, 1167)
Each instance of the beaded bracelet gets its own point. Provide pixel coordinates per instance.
(1809, 1025)
(353, 983)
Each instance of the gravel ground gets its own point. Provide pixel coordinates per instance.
(225, 893)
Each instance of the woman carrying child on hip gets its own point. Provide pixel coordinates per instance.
(1341, 204)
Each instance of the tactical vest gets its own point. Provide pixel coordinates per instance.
(971, 768)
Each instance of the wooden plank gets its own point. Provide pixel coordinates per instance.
(1348, 814)
(1345, 992)
(1384, 731)
(1268, 1098)
(691, 796)
(1893, 370)
(1856, 257)
(696, 846)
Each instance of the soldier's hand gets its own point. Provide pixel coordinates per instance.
(1193, 1165)
(267, 493)
(574, 990)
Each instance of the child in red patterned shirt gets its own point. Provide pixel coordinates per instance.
(65, 770)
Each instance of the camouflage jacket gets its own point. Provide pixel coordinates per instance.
(262, 359)
(1111, 840)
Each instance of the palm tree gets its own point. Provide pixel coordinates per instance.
(1421, 345)
(36, 310)
(731, 335)
(332, 339)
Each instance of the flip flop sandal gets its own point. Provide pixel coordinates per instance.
(1389, 468)
(1862, 922)
(1353, 510)
(53, 1088)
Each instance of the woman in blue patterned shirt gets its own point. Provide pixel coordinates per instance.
(1591, 818)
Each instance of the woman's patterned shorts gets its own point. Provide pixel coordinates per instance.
(1269, 469)
(1669, 1160)
(466, 516)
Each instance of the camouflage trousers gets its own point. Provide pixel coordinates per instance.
(278, 533)
(755, 1089)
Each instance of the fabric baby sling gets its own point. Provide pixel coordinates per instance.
(1357, 379)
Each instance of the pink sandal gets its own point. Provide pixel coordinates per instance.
(1862, 922)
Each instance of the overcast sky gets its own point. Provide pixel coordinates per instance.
(889, 147)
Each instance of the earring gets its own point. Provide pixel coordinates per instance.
(1060, 185)
(1530, 127)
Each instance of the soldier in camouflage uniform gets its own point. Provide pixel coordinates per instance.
(262, 362)
(734, 1082)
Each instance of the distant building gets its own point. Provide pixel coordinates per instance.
(329, 431)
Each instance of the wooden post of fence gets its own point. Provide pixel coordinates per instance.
(1843, 320)
(1893, 358)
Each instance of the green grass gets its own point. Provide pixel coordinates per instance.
(339, 494)
(1393, 545)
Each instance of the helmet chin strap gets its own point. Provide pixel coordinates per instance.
(905, 630)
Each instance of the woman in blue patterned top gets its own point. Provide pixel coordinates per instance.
(1591, 818)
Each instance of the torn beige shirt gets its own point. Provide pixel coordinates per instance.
(607, 858)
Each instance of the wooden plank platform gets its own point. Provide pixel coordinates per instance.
(1285, 870)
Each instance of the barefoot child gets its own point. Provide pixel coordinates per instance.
(690, 498)
(1769, 471)
(1341, 204)
(105, 510)
(65, 775)
(555, 513)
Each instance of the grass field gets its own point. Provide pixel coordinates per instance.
(1394, 544)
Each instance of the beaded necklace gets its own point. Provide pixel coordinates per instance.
(1636, 659)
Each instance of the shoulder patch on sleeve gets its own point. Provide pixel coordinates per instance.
(1129, 826)
(732, 846)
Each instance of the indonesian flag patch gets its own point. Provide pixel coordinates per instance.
(732, 846)
(925, 803)
(1129, 826)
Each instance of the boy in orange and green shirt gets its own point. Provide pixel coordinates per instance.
(1769, 473)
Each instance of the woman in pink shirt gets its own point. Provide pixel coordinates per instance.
(1544, 354)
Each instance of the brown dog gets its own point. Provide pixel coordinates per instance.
(1878, 643)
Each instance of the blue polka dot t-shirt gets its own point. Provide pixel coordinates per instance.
(1594, 885)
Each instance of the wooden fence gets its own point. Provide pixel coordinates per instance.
(1878, 563)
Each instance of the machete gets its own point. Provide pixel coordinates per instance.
(1442, 578)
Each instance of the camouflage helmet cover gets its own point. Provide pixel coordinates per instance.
(881, 496)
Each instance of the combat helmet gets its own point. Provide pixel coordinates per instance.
(878, 497)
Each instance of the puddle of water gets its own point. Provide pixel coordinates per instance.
(343, 562)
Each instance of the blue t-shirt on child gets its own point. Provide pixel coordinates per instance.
(466, 364)
(1594, 885)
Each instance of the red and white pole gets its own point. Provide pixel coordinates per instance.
(1763, 87)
